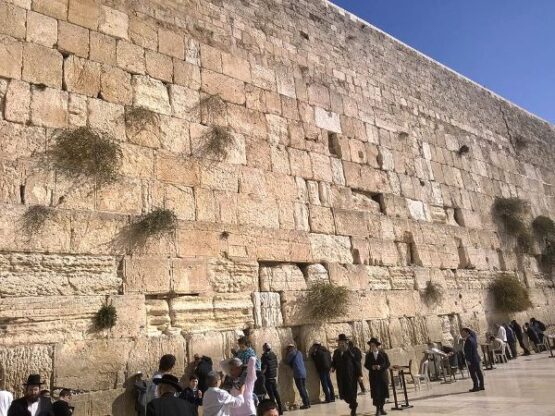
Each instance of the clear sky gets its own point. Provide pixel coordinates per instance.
(506, 45)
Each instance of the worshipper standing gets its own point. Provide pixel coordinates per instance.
(348, 370)
(61, 406)
(294, 359)
(473, 359)
(192, 394)
(511, 340)
(202, 367)
(322, 361)
(167, 404)
(6, 399)
(242, 375)
(244, 353)
(539, 327)
(31, 403)
(218, 402)
(532, 336)
(358, 353)
(165, 366)
(269, 364)
(377, 363)
(519, 336)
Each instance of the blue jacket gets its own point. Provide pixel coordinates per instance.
(296, 361)
(510, 334)
(471, 350)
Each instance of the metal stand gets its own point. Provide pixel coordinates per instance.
(396, 407)
(407, 405)
(402, 380)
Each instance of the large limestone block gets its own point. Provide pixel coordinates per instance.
(42, 65)
(327, 120)
(330, 248)
(257, 211)
(316, 273)
(11, 52)
(278, 338)
(116, 401)
(402, 278)
(151, 94)
(17, 102)
(267, 309)
(73, 39)
(12, 20)
(158, 319)
(82, 76)
(130, 57)
(41, 29)
(150, 275)
(236, 276)
(189, 276)
(352, 223)
(74, 361)
(18, 141)
(103, 49)
(360, 277)
(227, 88)
(198, 243)
(124, 196)
(24, 274)
(107, 117)
(114, 23)
(49, 107)
(281, 277)
(20, 361)
(147, 351)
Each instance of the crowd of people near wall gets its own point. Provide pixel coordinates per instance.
(247, 384)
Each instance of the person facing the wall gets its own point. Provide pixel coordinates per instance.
(218, 402)
(322, 361)
(294, 359)
(269, 369)
(61, 406)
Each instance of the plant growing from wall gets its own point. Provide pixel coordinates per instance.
(106, 317)
(140, 118)
(512, 213)
(432, 294)
(544, 227)
(83, 153)
(547, 258)
(509, 295)
(327, 301)
(212, 106)
(215, 143)
(34, 218)
(464, 149)
(154, 224)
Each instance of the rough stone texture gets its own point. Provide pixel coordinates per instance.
(343, 166)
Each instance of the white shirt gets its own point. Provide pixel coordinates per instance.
(218, 402)
(33, 407)
(6, 399)
(248, 407)
(502, 334)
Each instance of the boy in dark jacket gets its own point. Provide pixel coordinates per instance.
(61, 407)
(269, 369)
(322, 361)
(192, 394)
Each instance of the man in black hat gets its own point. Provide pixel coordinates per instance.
(348, 372)
(31, 404)
(167, 404)
(377, 363)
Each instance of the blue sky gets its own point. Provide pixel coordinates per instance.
(506, 45)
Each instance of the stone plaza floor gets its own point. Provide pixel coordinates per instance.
(525, 386)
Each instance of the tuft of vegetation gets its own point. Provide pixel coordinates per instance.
(212, 106)
(140, 118)
(513, 214)
(156, 223)
(463, 150)
(83, 153)
(433, 293)
(544, 226)
(215, 143)
(547, 258)
(327, 301)
(520, 142)
(34, 218)
(106, 317)
(509, 295)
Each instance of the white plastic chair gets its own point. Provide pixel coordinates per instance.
(423, 376)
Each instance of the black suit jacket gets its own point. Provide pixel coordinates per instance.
(62, 408)
(19, 408)
(170, 406)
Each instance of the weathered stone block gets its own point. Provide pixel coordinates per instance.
(17, 102)
(327, 120)
(54, 8)
(84, 13)
(267, 309)
(114, 23)
(12, 20)
(103, 49)
(186, 74)
(229, 89)
(330, 248)
(107, 117)
(115, 85)
(49, 107)
(321, 220)
(11, 52)
(281, 277)
(42, 65)
(171, 43)
(41, 29)
(130, 57)
(159, 66)
(73, 39)
(82, 76)
(151, 94)
(185, 103)
(19, 361)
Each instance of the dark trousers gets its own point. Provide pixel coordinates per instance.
(521, 343)
(273, 393)
(301, 386)
(512, 346)
(476, 374)
(327, 386)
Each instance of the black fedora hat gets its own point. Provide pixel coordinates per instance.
(342, 337)
(34, 380)
(374, 341)
(168, 379)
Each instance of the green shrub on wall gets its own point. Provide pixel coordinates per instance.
(105, 318)
(83, 153)
(509, 295)
(433, 293)
(544, 227)
(156, 223)
(215, 143)
(513, 214)
(327, 301)
(34, 218)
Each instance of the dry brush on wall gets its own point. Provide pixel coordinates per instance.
(509, 295)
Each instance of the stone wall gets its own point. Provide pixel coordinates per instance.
(344, 166)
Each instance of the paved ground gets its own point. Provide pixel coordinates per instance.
(522, 387)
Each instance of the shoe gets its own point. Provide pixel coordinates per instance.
(482, 388)
(305, 406)
(383, 412)
(353, 412)
(474, 389)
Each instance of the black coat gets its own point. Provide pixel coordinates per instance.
(269, 365)
(322, 359)
(19, 408)
(517, 329)
(348, 369)
(192, 397)
(170, 405)
(379, 389)
(62, 408)
(470, 349)
(202, 370)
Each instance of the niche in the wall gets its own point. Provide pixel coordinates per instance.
(368, 201)
(464, 259)
(333, 145)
